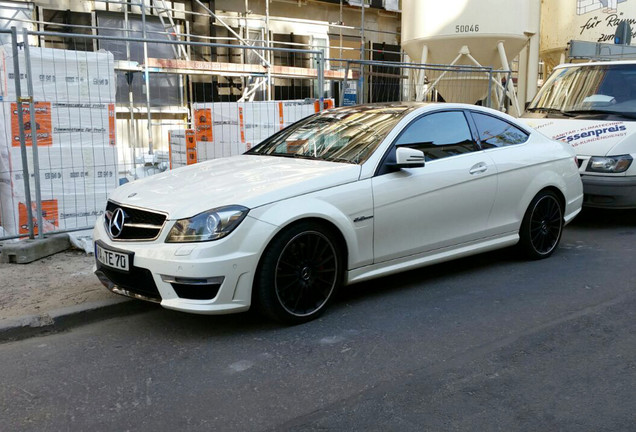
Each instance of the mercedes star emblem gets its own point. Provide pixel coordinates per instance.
(116, 223)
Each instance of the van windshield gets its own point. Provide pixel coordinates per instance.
(588, 90)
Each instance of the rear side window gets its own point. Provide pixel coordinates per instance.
(494, 132)
(439, 135)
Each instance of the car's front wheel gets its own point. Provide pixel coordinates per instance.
(542, 226)
(299, 273)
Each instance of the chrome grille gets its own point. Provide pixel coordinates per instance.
(139, 224)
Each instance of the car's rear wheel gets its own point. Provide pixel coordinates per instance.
(299, 273)
(542, 226)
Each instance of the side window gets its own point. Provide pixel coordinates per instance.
(439, 135)
(494, 132)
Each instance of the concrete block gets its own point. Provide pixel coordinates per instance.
(26, 251)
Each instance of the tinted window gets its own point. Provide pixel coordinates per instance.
(439, 135)
(494, 132)
(341, 135)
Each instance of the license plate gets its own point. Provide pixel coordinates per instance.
(111, 258)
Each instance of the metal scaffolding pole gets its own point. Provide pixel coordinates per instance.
(147, 79)
(270, 84)
(23, 152)
(361, 79)
(34, 135)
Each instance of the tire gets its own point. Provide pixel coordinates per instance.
(542, 226)
(299, 273)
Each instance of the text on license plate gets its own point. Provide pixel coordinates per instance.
(112, 259)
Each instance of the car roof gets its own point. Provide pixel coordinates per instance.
(596, 63)
(382, 106)
(404, 108)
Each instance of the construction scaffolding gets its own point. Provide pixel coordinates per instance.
(132, 93)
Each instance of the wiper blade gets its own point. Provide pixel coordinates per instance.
(290, 155)
(573, 113)
(551, 111)
(338, 159)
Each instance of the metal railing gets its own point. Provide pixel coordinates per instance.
(101, 110)
(378, 81)
(78, 122)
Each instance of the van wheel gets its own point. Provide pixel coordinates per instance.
(542, 226)
(299, 273)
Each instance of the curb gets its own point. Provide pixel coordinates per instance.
(29, 250)
(13, 329)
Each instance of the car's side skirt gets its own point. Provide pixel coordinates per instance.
(414, 261)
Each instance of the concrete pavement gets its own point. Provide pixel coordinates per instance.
(56, 291)
(489, 343)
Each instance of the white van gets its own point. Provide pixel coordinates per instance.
(592, 106)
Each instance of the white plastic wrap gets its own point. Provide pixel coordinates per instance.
(74, 95)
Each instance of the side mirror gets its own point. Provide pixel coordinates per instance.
(406, 157)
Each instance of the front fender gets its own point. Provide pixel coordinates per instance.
(339, 206)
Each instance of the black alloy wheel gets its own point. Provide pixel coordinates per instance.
(299, 273)
(542, 226)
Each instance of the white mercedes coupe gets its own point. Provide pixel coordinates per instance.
(340, 197)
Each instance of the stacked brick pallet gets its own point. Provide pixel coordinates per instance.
(74, 96)
(224, 129)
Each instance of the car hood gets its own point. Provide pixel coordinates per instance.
(247, 180)
(589, 137)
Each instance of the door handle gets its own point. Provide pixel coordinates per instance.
(478, 168)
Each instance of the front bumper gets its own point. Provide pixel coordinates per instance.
(609, 192)
(208, 278)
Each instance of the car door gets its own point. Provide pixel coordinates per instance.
(445, 203)
(518, 165)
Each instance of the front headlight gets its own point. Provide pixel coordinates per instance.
(609, 164)
(210, 225)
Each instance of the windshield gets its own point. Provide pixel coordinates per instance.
(341, 135)
(588, 89)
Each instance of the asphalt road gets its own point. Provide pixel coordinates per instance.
(485, 343)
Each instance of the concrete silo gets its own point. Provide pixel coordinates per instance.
(474, 33)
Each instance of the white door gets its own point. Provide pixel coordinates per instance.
(519, 164)
(445, 203)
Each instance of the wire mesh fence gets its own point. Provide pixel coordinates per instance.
(95, 112)
(378, 81)
(84, 113)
